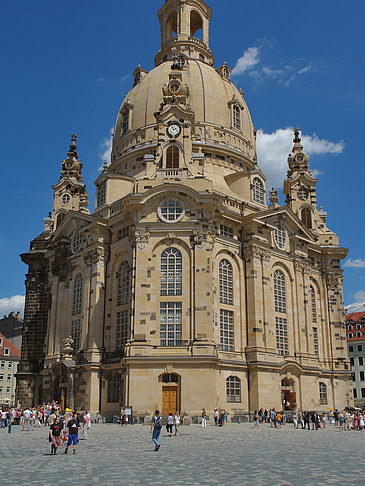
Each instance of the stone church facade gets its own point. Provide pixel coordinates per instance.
(185, 288)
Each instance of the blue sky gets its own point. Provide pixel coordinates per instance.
(66, 66)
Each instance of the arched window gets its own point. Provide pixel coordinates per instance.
(77, 295)
(171, 272)
(306, 217)
(350, 335)
(233, 387)
(225, 282)
(172, 157)
(123, 285)
(358, 334)
(60, 219)
(322, 393)
(258, 193)
(313, 302)
(236, 113)
(279, 291)
(196, 24)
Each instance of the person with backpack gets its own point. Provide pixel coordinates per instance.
(156, 427)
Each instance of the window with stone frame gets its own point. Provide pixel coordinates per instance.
(172, 157)
(282, 336)
(114, 388)
(101, 194)
(170, 323)
(279, 292)
(258, 193)
(226, 231)
(315, 341)
(123, 284)
(125, 121)
(313, 303)
(226, 330)
(171, 272)
(280, 236)
(322, 393)
(233, 389)
(122, 329)
(306, 217)
(236, 115)
(77, 295)
(76, 334)
(225, 282)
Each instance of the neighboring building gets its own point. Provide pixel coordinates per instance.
(355, 324)
(183, 288)
(11, 326)
(9, 359)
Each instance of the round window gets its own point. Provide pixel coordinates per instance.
(303, 193)
(66, 198)
(174, 87)
(171, 211)
(76, 243)
(280, 237)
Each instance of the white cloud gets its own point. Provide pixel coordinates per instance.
(273, 149)
(317, 172)
(125, 77)
(106, 147)
(12, 304)
(283, 74)
(359, 304)
(100, 80)
(357, 263)
(250, 58)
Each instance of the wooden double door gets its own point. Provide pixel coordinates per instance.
(289, 399)
(169, 400)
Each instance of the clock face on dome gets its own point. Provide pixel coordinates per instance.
(173, 130)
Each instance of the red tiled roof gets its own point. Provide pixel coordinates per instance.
(355, 316)
(14, 351)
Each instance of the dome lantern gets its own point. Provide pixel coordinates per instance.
(184, 28)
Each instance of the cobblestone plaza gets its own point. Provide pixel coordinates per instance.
(233, 455)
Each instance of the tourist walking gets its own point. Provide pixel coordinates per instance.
(272, 418)
(73, 433)
(156, 427)
(170, 422)
(26, 414)
(216, 417)
(204, 418)
(177, 423)
(256, 420)
(55, 431)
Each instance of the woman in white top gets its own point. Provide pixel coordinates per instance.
(177, 423)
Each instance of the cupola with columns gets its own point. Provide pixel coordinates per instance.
(180, 22)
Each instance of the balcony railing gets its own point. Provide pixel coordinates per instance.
(172, 173)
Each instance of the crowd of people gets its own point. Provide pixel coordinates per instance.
(64, 425)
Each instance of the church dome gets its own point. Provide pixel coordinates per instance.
(211, 97)
(185, 76)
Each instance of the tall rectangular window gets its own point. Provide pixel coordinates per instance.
(226, 335)
(122, 329)
(355, 392)
(170, 323)
(114, 388)
(76, 334)
(315, 341)
(361, 361)
(282, 336)
(101, 194)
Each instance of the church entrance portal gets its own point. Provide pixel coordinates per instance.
(288, 395)
(170, 393)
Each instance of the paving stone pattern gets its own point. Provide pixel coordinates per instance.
(232, 455)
